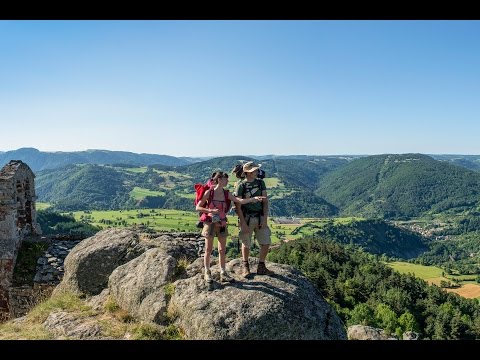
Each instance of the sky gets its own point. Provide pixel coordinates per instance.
(228, 87)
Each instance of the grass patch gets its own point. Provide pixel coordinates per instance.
(139, 193)
(117, 312)
(110, 305)
(147, 331)
(181, 266)
(169, 290)
(31, 327)
(421, 271)
(115, 322)
(65, 301)
(24, 331)
(42, 205)
(156, 219)
(173, 332)
(273, 182)
(139, 170)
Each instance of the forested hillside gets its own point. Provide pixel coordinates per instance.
(291, 190)
(83, 187)
(365, 291)
(384, 186)
(398, 186)
(376, 237)
(302, 204)
(298, 173)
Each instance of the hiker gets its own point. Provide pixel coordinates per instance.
(253, 218)
(214, 203)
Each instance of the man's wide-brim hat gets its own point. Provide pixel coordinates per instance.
(250, 167)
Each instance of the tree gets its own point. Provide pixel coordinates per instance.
(361, 314)
(386, 318)
(407, 322)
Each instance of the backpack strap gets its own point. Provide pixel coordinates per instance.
(211, 195)
(247, 215)
(244, 189)
(228, 203)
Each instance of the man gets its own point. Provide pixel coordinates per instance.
(253, 218)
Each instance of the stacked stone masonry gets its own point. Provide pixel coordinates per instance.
(17, 219)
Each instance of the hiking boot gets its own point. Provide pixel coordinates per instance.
(245, 269)
(262, 269)
(224, 277)
(208, 277)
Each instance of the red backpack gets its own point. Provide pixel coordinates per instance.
(200, 191)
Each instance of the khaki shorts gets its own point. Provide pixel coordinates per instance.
(262, 235)
(214, 230)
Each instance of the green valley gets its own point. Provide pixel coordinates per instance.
(407, 206)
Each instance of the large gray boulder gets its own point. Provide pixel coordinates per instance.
(90, 263)
(283, 306)
(138, 286)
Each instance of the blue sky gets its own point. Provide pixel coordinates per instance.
(212, 88)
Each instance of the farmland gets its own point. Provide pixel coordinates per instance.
(435, 275)
(184, 221)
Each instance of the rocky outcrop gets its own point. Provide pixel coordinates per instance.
(361, 332)
(410, 335)
(66, 325)
(90, 263)
(146, 274)
(139, 284)
(283, 306)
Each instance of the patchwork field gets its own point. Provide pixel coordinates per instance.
(434, 275)
(467, 290)
(140, 193)
(421, 271)
(185, 221)
(171, 220)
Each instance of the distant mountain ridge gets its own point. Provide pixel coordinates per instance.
(471, 162)
(40, 160)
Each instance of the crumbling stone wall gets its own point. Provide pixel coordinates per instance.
(18, 219)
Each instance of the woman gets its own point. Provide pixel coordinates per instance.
(214, 204)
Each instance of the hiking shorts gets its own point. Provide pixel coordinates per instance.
(262, 235)
(213, 229)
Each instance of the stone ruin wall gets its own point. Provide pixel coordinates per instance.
(18, 219)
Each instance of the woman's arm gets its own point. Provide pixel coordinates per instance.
(201, 204)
